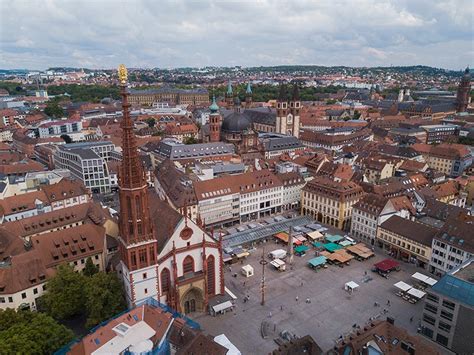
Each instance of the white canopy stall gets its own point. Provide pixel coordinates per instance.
(403, 286)
(419, 276)
(247, 270)
(430, 281)
(416, 293)
(350, 286)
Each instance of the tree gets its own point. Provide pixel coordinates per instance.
(190, 140)
(67, 138)
(151, 122)
(54, 110)
(65, 293)
(330, 102)
(104, 298)
(26, 332)
(90, 269)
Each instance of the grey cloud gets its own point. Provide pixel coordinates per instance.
(146, 33)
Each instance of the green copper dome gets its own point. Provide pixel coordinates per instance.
(214, 108)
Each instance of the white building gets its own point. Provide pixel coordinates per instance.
(87, 162)
(452, 246)
(372, 210)
(248, 196)
(58, 128)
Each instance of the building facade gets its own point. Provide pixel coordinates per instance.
(88, 163)
(449, 310)
(406, 240)
(169, 95)
(330, 201)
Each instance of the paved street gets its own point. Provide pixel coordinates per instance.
(332, 310)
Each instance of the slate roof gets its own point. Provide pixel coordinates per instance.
(279, 143)
(418, 232)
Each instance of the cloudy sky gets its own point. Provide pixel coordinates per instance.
(37, 34)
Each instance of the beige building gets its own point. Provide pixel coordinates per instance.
(170, 95)
(330, 201)
(406, 240)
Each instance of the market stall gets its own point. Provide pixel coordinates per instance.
(247, 270)
(317, 262)
(350, 286)
(301, 250)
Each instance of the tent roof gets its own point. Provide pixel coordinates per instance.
(221, 306)
(314, 235)
(301, 248)
(319, 260)
(345, 243)
(332, 247)
(333, 238)
(403, 286)
(419, 276)
(416, 293)
(247, 267)
(318, 244)
(386, 265)
(352, 284)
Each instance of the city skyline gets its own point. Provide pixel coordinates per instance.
(198, 34)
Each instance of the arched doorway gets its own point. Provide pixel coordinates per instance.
(193, 301)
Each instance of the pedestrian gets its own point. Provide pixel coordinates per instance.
(296, 298)
(281, 308)
(244, 283)
(270, 315)
(365, 273)
(307, 300)
(301, 283)
(388, 302)
(411, 319)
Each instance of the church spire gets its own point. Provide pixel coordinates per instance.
(135, 224)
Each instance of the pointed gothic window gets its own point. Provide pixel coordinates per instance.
(188, 264)
(165, 280)
(211, 275)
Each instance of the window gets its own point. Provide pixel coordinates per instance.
(444, 326)
(432, 297)
(35, 291)
(446, 315)
(96, 257)
(449, 305)
(165, 280)
(146, 291)
(144, 275)
(431, 308)
(442, 339)
(23, 295)
(2, 299)
(10, 299)
(211, 275)
(188, 264)
(429, 319)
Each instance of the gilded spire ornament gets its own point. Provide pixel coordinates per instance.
(122, 73)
